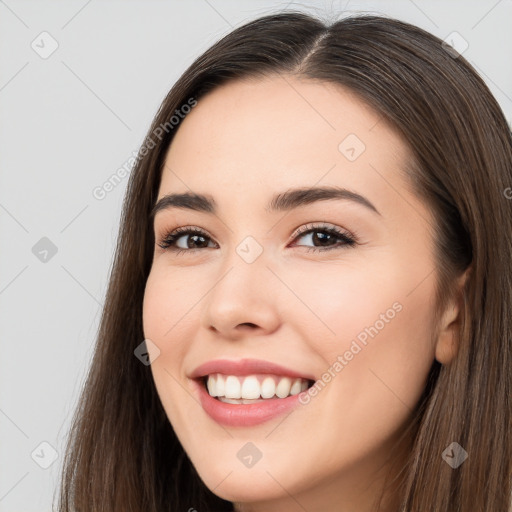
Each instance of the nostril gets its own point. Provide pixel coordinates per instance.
(249, 324)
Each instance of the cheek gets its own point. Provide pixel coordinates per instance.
(168, 306)
(375, 340)
(165, 323)
(375, 304)
(348, 302)
(169, 317)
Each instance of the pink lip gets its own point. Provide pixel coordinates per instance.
(246, 367)
(244, 415)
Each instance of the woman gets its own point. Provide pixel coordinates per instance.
(310, 306)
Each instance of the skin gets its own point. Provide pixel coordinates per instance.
(243, 143)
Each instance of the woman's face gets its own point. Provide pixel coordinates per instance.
(268, 278)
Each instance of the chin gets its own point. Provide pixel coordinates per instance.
(239, 484)
(246, 489)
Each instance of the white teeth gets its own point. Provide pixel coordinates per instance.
(220, 385)
(239, 401)
(283, 388)
(268, 388)
(296, 387)
(233, 388)
(210, 385)
(247, 389)
(250, 388)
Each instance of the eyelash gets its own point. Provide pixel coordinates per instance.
(171, 237)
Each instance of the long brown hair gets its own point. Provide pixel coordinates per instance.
(122, 453)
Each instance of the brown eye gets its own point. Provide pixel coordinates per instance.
(197, 239)
(327, 238)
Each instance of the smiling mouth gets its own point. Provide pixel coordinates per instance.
(248, 389)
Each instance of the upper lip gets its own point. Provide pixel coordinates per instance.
(246, 367)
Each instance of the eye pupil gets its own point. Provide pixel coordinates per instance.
(323, 236)
(195, 237)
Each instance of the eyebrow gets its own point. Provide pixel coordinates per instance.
(281, 202)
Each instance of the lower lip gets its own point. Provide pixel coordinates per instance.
(245, 415)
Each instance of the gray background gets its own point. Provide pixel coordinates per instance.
(69, 121)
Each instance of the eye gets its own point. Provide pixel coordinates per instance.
(197, 236)
(328, 237)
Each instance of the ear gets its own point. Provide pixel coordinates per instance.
(447, 341)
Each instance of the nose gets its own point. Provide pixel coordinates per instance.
(243, 301)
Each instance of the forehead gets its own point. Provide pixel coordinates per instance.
(257, 136)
